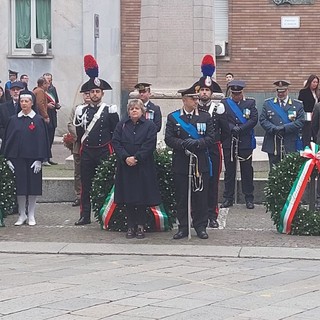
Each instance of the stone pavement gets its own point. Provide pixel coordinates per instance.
(56, 270)
(246, 271)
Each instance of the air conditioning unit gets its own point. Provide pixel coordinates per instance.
(220, 47)
(39, 47)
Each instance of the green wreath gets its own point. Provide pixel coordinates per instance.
(7, 190)
(281, 179)
(104, 180)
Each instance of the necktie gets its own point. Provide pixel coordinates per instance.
(282, 103)
(189, 116)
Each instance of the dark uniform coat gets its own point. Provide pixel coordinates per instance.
(136, 185)
(246, 144)
(95, 147)
(153, 113)
(269, 119)
(248, 108)
(221, 133)
(175, 135)
(25, 141)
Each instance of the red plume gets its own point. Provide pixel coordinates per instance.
(90, 66)
(207, 66)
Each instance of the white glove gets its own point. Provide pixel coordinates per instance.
(10, 165)
(36, 166)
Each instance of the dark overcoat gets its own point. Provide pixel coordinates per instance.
(136, 185)
(269, 119)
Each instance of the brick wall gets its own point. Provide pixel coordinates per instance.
(130, 33)
(261, 52)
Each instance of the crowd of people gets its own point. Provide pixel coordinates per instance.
(201, 134)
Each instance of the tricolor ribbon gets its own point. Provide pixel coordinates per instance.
(109, 206)
(293, 200)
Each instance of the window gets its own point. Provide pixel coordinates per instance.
(31, 20)
(221, 27)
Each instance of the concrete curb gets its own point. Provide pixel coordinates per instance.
(159, 250)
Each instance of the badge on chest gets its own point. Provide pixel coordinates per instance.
(201, 128)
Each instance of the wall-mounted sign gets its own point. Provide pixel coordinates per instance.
(278, 2)
(290, 22)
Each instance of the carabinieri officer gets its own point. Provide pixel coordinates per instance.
(95, 124)
(190, 130)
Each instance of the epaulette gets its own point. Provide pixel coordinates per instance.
(79, 108)
(113, 108)
(220, 108)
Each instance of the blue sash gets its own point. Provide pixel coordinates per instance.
(187, 127)
(190, 129)
(279, 111)
(284, 117)
(238, 113)
(235, 109)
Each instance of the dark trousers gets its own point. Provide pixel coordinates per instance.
(136, 215)
(90, 160)
(246, 171)
(306, 133)
(199, 202)
(213, 189)
(273, 159)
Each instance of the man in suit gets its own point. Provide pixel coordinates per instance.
(53, 106)
(13, 77)
(282, 118)
(153, 111)
(190, 130)
(10, 107)
(242, 117)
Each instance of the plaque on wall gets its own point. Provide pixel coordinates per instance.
(278, 2)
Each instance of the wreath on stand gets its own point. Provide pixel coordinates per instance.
(7, 190)
(284, 184)
(104, 181)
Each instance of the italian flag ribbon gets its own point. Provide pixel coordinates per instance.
(292, 203)
(109, 206)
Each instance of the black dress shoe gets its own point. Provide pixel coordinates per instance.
(130, 233)
(52, 162)
(76, 203)
(82, 221)
(202, 234)
(213, 223)
(249, 205)
(180, 234)
(140, 233)
(226, 204)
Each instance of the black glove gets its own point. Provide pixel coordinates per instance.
(236, 130)
(190, 144)
(278, 130)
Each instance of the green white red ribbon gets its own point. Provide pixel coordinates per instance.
(109, 206)
(293, 200)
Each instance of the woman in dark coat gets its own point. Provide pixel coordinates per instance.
(25, 145)
(309, 95)
(134, 141)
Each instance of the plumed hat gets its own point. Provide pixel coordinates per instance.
(92, 70)
(207, 69)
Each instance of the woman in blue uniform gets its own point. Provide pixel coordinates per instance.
(25, 145)
(134, 141)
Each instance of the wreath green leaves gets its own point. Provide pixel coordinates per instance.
(7, 190)
(104, 180)
(281, 179)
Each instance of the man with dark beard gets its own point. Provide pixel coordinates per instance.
(221, 132)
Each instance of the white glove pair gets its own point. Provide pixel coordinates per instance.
(37, 166)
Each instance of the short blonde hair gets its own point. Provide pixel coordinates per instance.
(136, 102)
